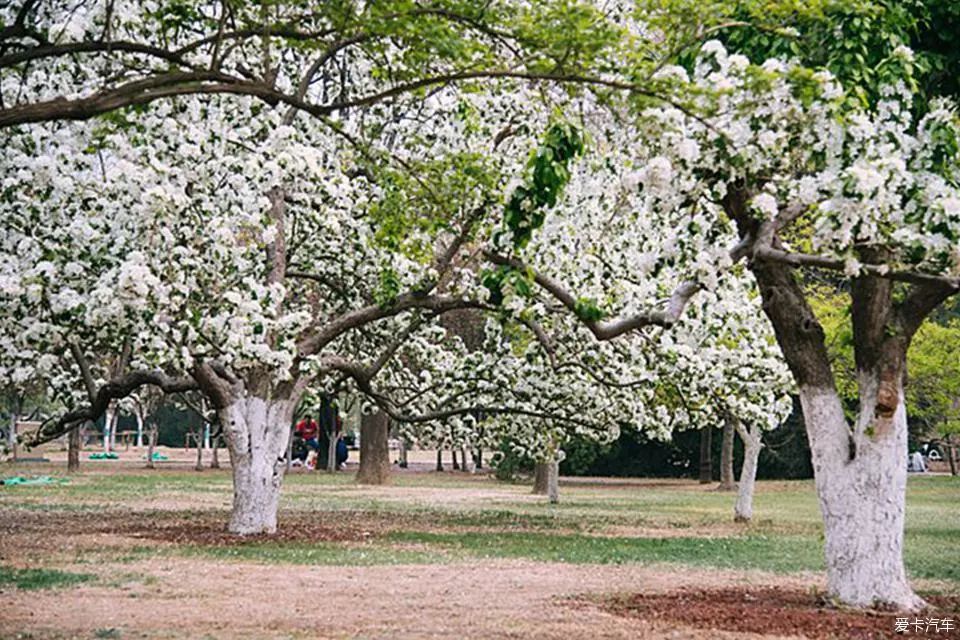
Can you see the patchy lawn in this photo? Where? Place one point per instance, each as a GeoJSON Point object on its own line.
{"type": "Point", "coordinates": [128, 552]}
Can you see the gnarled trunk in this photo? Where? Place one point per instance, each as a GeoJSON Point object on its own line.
{"type": "Point", "coordinates": [374, 452]}
{"type": "Point", "coordinates": [752, 444]}
{"type": "Point", "coordinates": [256, 431]}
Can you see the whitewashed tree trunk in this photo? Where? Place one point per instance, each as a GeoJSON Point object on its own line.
{"type": "Point", "coordinates": [151, 447]}
{"type": "Point", "coordinates": [115, 422]}
{"type": "Point", "coordinates": [199, 465]}
{"type": "Point", "coordinates": [861, 485]}
{"type": "Point", "coordinates": [138, 414]}
{"type": "Point", "coordinates": [752, 444]}
{"type": "Point", "coordinates": [257, 432]}
{"type": "Point", "coordinates": [727, 482]}
{"type": "Point", "coordinates": [107, 425]}
{"type": "Point", "coordinates": [332, 450]}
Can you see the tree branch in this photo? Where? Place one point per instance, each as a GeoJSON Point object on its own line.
{"type": "Point", "coordinates": [607, 329]}
{"type": "Point", "coordinates": [120, 387]}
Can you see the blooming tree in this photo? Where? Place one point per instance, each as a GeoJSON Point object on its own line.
{"type": "Point", "coordinates": [808, 179]}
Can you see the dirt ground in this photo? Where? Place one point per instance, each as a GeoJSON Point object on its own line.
{"type": "Point", "coordinates": [187, 598]}
{"type": "Point", "coordinates": [172, 595]}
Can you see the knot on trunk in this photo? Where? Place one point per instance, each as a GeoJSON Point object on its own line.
{"type": "Point", "coordinates": [888, 395]}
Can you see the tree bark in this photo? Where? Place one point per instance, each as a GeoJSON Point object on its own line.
{"type": "Point", "coordinates": [453, 456]}
{"type": "Point", "coordinates": [863, 507]}
{"type": "Point", "coordinates": [479, 458]}
{"type": "Point", "coordinates": [706, 455]}
{"type": "Point", "coordinates": [540, 478]}
{"type": "Point", "coordinates": [257, 432]}
{"type": "Point", "coordinates": [374, 452]}
{"type": "Point", "coordinates": [727, 482]}
{"type": "Point", "coordinates": [214, 455]}
{"type": "Point", "coordinates": [403, 454]}
{"type": "Point", "coordinates": [332, 450]}
{"type": "Point", "coordinates": [553, 481]}
{"type": "Point", "coordinates": [152, 437]}
{"type": "Point", "coordinates": [464, 465]}
{"type": "Point", "coordinates": [114, 423]}
{"type": "Point", "coordinates": [951, 456]}
{"type": "Point", "coordinates": [439, 460]}
{"type": "Point", "coordinates": [752, 444]}
{"type": "Point", "coordinates": [138, 414]}
{"type": "Point", "coordinates": [200, 434]}
{"type": "Point", "coordinates": [288, 458]}
{"type": "Point", "coordinates": [12, 431]}
{"type": "Point", "coordinates": [107, 426]}
{"type": "Point", "coordinates": [73, 450]}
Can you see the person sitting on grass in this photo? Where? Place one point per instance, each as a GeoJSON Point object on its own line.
{"type": "Point", "coordinates": [307, 430]}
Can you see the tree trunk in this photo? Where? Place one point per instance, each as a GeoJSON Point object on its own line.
{"type": "Point", "coordinates": [374, 452]}
{"type": "Point", "coordinates": [114, 423]}
{"type": "Point", "coordinates": [403, 454]}
{"type": "Point", "coordinates": [464, 465]}
{"type": "Point", "coordinates": [861, 485]}
{"type": "Point", "coordinates": [73, 450]}
{"type": "Point", "coordinates": [257, 432]}
{"type": "Point", "coordinates": [727, 482]}
{"type": "Point", "coordinates": [332, 450]}
{"type": "Point", "coordinates": [12, 431]}
{"type": "Point", "coordinates": [553, 481]}
{"type": "Point", "coordinates": [152, 437]}
{"type": "Point", "coordinates": [540, 480]}
{"type": "Point", "coordinates": [706, 455]}
{"type": "Point", "coordinates": [439, 459]}
{"type": "Point", "coordinates": [453, 456]}
{"type": "Point", "coordinates": [200, 433]}
{"type": "Point", "coordinates": [951, 456]}
{"type": "Point", "coordinates": [288, 458]}
{"type": "Point", "coordinates": [752, 443]}
{"type": "Point", "coordinates": [214, 455]}
{"type": "Point", "coordinates": [138, 414]}
{"type": "Point", "coordinates": [479, 458]}
{"type": "Point", "coordinates": [107, 424]}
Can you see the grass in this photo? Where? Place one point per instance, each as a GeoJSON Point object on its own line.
{"type": "Point", "coordinates": [40, 578]}
{"type": "Point", "coordinates": [437, 518]}
{"type": "Point", "coordinates": [332, 554]}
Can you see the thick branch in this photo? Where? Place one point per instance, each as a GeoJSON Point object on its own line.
{"type": "Point", "coordinates": [608, 329]}
{"type": "Point", "coordinates": [120, 387]}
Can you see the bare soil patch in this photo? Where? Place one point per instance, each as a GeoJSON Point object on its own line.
{"type": "Point", "coordinates": [778, 610]}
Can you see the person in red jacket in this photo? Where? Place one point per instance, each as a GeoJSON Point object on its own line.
{"type": "Point", "coordinates": [307, 430]}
